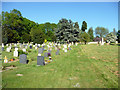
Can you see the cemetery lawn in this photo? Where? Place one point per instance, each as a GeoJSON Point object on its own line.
{"type": "Point", "coordinates": [85, 66]}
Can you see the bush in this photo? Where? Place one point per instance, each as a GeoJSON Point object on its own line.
{"type": "Point", "coordinates": [21, 52]}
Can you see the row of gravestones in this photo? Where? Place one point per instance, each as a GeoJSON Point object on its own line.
{"type": "Point", "coordinates": [40, 59]}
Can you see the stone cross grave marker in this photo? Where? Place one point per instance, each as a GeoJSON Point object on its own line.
{"type": "Point", "coordinates": [23, 58]}
{"type": "Point", "coordinates": [40, 60]}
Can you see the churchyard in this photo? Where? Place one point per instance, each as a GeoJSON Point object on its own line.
{"type": "Point", "coordinates": [52, 65]}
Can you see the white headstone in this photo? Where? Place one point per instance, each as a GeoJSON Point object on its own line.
{"type": "Point", "coordinates": [33, 45]}
{"type": "Point", "coordinates": [8, 49]}
{"type": "Point", "coordinates": [39, 54]}
{"type": "Point", "coordinates": [2, 45]}
{"type": "Point", "coordinates": [7, 45]}
{"type": "Point", "coordinates": [24, 50]}
{"type": "Point", "coordinates": [15, 53]}
{"type": "Point", "coordinates": [36, 48]}
{"type": "Point", "coordinates": [16, 49]}
{"type": "Point", "coordinates": [65, 50]}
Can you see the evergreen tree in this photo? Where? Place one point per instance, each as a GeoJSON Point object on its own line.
{"type": "Point", "coordinates": [66, 31]}
{"type": "Point", "coordinates": [90, 32]}
{"type": "Point", "coordinates": [84, 26]}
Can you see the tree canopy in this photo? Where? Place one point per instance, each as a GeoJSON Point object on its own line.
{"type": "Point", "coordinates": [101, 31]}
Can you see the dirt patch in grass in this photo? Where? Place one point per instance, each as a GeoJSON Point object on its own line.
{"type": "Point", "coordinates": [11, 67]}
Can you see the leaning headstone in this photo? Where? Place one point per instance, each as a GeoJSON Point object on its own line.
{"type": "Point", "coordinates": [40, 60]}
{"type": "Point", "coordinates": [45, 54]}
{"type": "Point", "coordinates": [57, 53]}
{"type": "Point", "coordinates": [23, 58]}
{"type": "Point", "coordinates": [40, 50]}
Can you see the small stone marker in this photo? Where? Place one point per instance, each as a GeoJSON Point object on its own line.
{"type": "Point", "coordinates": [23, 58]}
{"type": "Point", "coordinates": [69, 48]}
{"type": "Point", "coordinates": [57, 53]}
{"type": "Point", "coordinates": [45, 54]}
{"type": "Point", "coordinates": [65, 50]}
{"type": "Point", "coordinates": [2, 48]}
{"type": "Point", "coordinates": [36, 48]}
{"type": "Point", "coordinates": [24, 50]}
{"type": "Point", "coordinates": [49, 51]}
{"type": "Point", "coordinates": [40, 60]}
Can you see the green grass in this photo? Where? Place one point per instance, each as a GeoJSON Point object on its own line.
{"type": "Point", "coordinates": [67, 69]}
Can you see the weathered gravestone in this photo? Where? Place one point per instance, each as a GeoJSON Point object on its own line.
{"type": "Point", "coordinates": [23, 59]}
{"type": "Point", "coordinates": [57, 53]}
{"type": "Point", "coordinates": [45, 54]}
{"type": "Point", "coordinates": [40, 60]}
{"type": "Point", "coordinates": [40, 50]}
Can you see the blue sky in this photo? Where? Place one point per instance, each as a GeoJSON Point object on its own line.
{"type": "Point", "coordinates": [94, 13]}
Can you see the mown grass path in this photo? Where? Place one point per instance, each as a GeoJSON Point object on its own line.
{"type": "Point", "coordinates": [73, 69]}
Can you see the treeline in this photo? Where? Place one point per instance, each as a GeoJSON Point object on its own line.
{"type": "Point", "coordinates": [17, 28]}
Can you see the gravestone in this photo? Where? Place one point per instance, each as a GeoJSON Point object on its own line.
{"type": "Point", "coordinates": [40, 60]}
{"type": "Point", "coordinates": [8, 49]}
{"type": "Point", "coordinates": [24, 50]}
{"type": "Point", "coordinates": [23, 58]}
{"type": "Point", "coordinates": [65, 50]}
{"type": "Point", "coordinates": [2, 48]}
{"type": "Point", "coordinates": [49, 51]}
{"type": "Point", "coordinates": [36, 48]}
{"type": "Point", "coordinates": [45, 54]}
{"type": "Point", "coordinates": [40, 50]}
{"type": "Point", "coordinates": [57, 53]}
{"type": "Point", "coordinates": [15, 53]}
{"type": "Point", "coordinates": [33, 45]}
{"type": "Point", "coordinates": [30, 46]}
{"type": "Point", "coordinates": [69, 48]}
